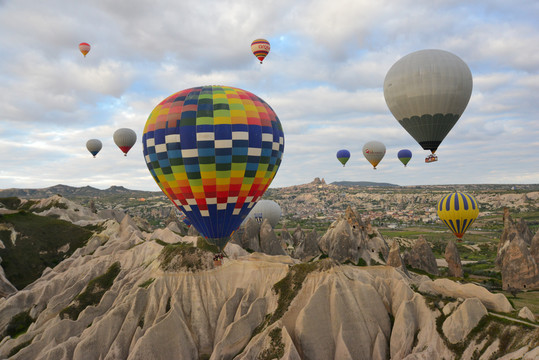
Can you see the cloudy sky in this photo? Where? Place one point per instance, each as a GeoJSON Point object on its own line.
{"type": "Point", "coordinates": [323, 77]}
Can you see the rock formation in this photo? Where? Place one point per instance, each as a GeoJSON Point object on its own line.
{"type": "Point", "coordinates": [126, 296]}
{"type": "Point", "coordinates": [519, 269]}
{"type": "Point", "coordinates": [394, 257]}
{"type": "Point", "coordinates": [421, 257]}
{"type": "Point", "coordinates": [6, 288]}
{"type": "Point", "coordinates": [269, 243]}
{"type": "Point", "coordinates": [286, 237]}
{"type": "Point", "coordinates": [459, 324]}
{"type": "Point", "coordinates": [511, 230]}
{"type": "Point", "coordinates": [454, 266]}
{"type": "Point", "coordinates": [298, 236]}
{"type": "Point", "coordinates": [308, 248]}
{"type": "Point", "coordinates": [349, 239]}
{"type": "Point", "coordinates": [526, 313]}
{"type": "Point", "coordinates": [518, 255]}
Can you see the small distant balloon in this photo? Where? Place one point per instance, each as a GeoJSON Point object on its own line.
{"type": "Point", "coordinates": [374, 152]}
{"type": "Point", "coordinates": [94, 146]}
{"type": "Point", "coordinates": [125, 138]}
{"type": "Point", "coordinates": [343, 156]}
{"type": "Point", "coordinates": [458, 211]}
{"type": "Point", "coordinates": [260, 48]}
{"type": "Point", "coordinates": [84, 48]}
{"type": "Point", "coordinates": [404, 156]}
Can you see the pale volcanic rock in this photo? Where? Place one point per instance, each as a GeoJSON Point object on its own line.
{"type": "Point", "coordinates": [269, 243]}
{"type": "Point", "coordinates": [421, 257]}
{"type": "Point", "coordinates": [113, 214]}
{"type": "Point", "coordinates": [512, 230]}
{"type": "Point", "coordinates": [347, 239]}
{"type": "Point", "coordinates": [6, 287]}
{"type": "Point", "coordinates": [394, 258]}
{"type": "Point", "coordinates": [298, 236]}
{"type": "Point", "coordinates": [286, 237]}
{"type": "Point", "coordinates": [340, 312]}
{"type": "Point", "coordinates": [526, 313]}
{"type": "Point", "coordinates": [519, 269]}
{"type": "Point", "coordinates": [449, 288]}
{"type": "Point", "coordinates": [454, 266]}
{"type": "Point", "coordinates": [248, 235]}
{"type": "Point", "coordinates": [534, 247]}
{"type": "Point", "coordinates": [459, 324]}
{"type": "Point", "coordinates": [64, 209]}
{"type": "Point", "coordinates": [308, 248]}
{"type": "Point", "coordinates": [166, 235]}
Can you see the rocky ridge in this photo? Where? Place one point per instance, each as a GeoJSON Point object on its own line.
{"type": "Point", "coordinates": [254, 305]}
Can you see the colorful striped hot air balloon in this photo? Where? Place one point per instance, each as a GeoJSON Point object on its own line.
{"type": "Point", "coordinates": [84, 48]}
{"type": "Point", "coordinates": [260, 48]}
{"type": "Point", "coordinates": [458, 211]}
{"type": "Point", "coordinates": [213, 151]}
{"type": "Point", "coordinates": [343, 156]}
{"type": "Point", "coordinates": [404, 156]}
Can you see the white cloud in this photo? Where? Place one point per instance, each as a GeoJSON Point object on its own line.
{"type": "Point", "coordinates": [323, 77]}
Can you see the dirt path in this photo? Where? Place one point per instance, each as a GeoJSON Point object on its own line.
{"type": "Point", "coordinates": [515, 320]}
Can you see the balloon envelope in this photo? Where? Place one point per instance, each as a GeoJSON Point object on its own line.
{"type": "Point", "coordinates": [94, 146]}
{"type": "Point", "coordinates": [374, 152]}
{"type": "Point", "coordinates": [404, 156]}
{"type": "Point", "coordinates": [84, 48]}
{"type": "Point", "coordinates": [343, 156]}
{"type": "Point", "coordinates": [458, 211]}
{"type": "Point", "coordinates": [427, 92]}
{"type": "Point", "coordinates": [125, 138]}
{"type": "Point", "coordinates": [213, 150]}
{"type": "Point", "coordinates": [260, 48]}
{"type": "Point", "coordinates": [266, 209]}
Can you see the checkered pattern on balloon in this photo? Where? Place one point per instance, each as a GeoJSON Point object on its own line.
{"type": "Point", "coordinates": [213, 151]}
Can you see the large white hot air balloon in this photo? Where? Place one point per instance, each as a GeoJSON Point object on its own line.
{"type": "Point", "coordinates": [427, 92]}
{"type": "Point", "coordinates": [266, 209]}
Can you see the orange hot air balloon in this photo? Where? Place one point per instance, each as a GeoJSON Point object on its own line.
{"type": "Point", "coordinates": [260, 48]}
{"type": "Point", "coordinates": [84, 48]}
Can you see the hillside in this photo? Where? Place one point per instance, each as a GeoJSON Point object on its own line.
{"type": "Point", "coordinates": [129, 294]}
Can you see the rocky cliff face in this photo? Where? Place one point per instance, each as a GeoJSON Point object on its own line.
{"type": "Point", "coordinates": [518, 255]}
{"type": "Point", "coordinates": [421, 257]}
{"type": "Point", "coordinates": [126, 295]}
{"type": "Point", "coordinates": [349, 239]}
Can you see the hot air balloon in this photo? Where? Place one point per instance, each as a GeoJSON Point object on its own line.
{"type": "Point", "coordinates": [213, 151]}
{"type": "Point", "coordinates": [404, 156]}
{"type": "Point", "coordinates": [260, 48]}
{"type": "Point", "coordinates": [84, 48]}
{"type": "Point", "coordinates": [94, 146]}
{"type": "Point", "coordinates": [374, 152]}
{"type": "Point", "coordinates": [125, 139]}
{"type": "Point", "coordinates": [266, 209]}
{"type": "Point", "coordinates": [343, 156]}
{"type": "Point", "coordinates": [458, 211]}
{"type": "Point", "coordinates": [427, 92]}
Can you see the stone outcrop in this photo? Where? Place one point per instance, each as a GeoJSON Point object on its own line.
{"type": "Point", "coordinates": [421, 257]}
{"type": "Point", "coordinates": [519, 269]}
{"type": "Point", "coordinates": [155, 310]}
{"type": "Point", "coordinates": [511, 230]}
{"type": "Point", "coordinates": [459, 324]}
{"type": "Point", "coordinates": [286, 237]}
{"type": "Point", "coordinates": [452, 289]}
{"type": "Point", "coordinates": [298, 236]}
{"type": "Point", "coordinates": [526, 313]}
{"type": "Point", "coordinates": [308, 248]}
{"type": "Point", "coordinates": [454, 265]}
{"type": "Point", "coordinates": [394, 257]}
{"type": "Point", "coordinates": [6, 287]}
{"type": "Point", "coordinates": [269, 243]}
{"type": "Point", "coordinates": [349, 239]}
{"type": "Point", "coordinates": [518, 255]}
